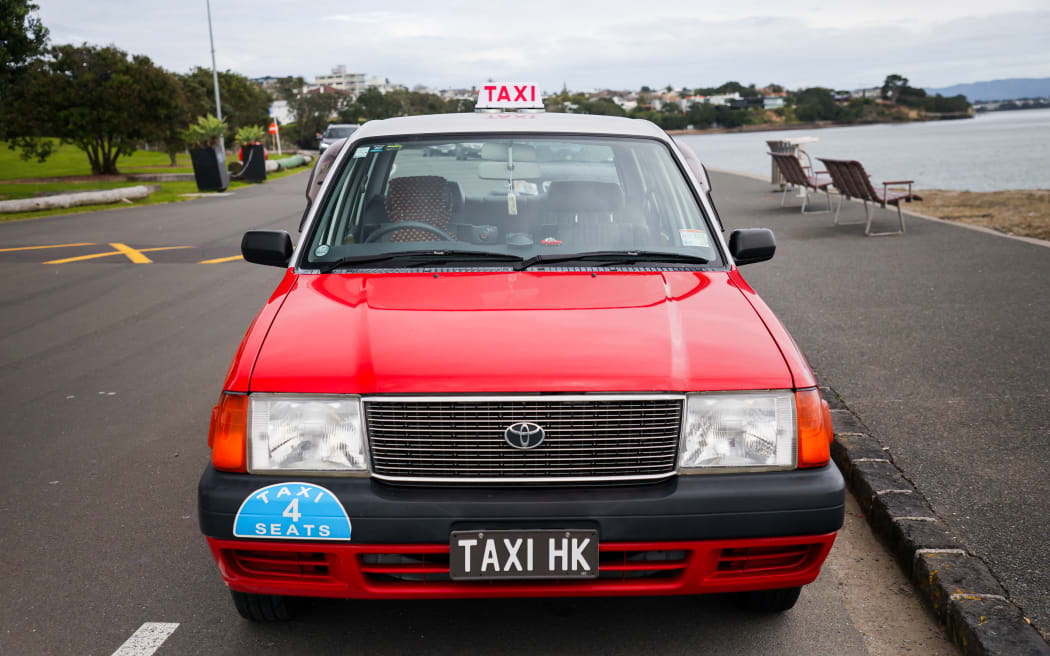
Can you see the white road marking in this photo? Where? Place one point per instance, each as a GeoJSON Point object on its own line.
{"type": "Point", "coordinates": [147, 639]}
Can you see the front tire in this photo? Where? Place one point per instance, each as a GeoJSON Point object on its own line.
{"type": "Point", "coordinates": [770, 601]}
{"type": "Point", "coordinates": [264, 609]}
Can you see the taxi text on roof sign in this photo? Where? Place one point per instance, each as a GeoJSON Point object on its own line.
{"type": "Point", "coordinates": [496, 95]}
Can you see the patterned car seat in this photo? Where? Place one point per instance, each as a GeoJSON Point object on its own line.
{"type": "Point", "coordinates": [592, 215]}
{"type": "Point", "coordinates": [420, 198]}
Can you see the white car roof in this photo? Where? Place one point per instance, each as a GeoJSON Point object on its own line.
{"type": "Point", "coordinates": [519, 122]}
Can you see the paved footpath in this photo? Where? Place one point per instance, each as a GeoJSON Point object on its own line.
{"type": "Point", "coordinates": [939, 339]}
{"type": "Point", "coordinates": [110, 360]}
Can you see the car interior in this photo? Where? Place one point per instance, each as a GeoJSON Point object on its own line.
{"type": "Point", "coordinates": [571, 194]}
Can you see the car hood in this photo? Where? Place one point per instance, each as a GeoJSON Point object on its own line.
{"type": "Point", "coordinates": [517, 332]}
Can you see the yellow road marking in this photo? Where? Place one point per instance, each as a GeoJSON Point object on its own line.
{"type": "Point", "coordinates": [135, 256]}
{"type": "Point", "coordinates": [33, 248]}
{"type": "Point", "coordinates": [220, 260]}
{"type": "Point", "coordinates": [131, 253]}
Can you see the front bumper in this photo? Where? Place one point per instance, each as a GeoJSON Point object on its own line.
{"type": "Point", "coordinates": [686, 535]}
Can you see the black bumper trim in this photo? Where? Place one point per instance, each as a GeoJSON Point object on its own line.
{"type": "Point", "coordinates": [774, 504]}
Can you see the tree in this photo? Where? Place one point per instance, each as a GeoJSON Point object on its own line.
{"type": "Point", "coordinates": [313, 112]}
{"type": "Point", "coordinates": [701, 115]}
{"type": "Point", "coordinates": [243, 102]}
{"type": "Point", "coordinates": [173, 118]}
{"type": "Point", "coordinates": [603, 106]}
{"type": "Point", "coordinates": [816, 104]}
{"type": "Point", "coordinates": [23, 39]}
{"type": "Point", "coordinates": [891, 88]}
{"type": "Point", "coordinates": [288, 88]}
{"type": "Point", "coordinates": [373, 104]}
{"type": "Point", "coordinates": [97, 99]}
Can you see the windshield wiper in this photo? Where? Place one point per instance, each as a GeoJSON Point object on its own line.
{"type": "Point", "coordinates": [611, 258]}
{"type": "Point", "coordinates": [416, 258]}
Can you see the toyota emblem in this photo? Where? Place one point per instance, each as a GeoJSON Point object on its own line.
{"type": "Point", "coordinates": [524, 435]}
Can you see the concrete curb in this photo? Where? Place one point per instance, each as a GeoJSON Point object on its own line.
{"type": "Point", "coordinates": [957, 586]}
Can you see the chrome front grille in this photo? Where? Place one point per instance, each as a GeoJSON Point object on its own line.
{"type": "Point", "coordinates": [461, 439]}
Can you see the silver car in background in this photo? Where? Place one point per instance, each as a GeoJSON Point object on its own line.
{"type": "Point", "coordinates": [334, 133]}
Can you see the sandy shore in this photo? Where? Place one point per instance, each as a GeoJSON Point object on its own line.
{"type": "Point", "coordinates": [1021, 212]}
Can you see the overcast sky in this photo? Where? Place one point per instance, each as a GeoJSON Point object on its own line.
{"type": "Point", "coordinates": [843, 44]}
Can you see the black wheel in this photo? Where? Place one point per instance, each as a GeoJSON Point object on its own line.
{"type": "Point", "coordinates": [770, 601]}
{"type": "Point", "coordinates": [262, 608]}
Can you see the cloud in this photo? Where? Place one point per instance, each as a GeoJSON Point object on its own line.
{"type": "Point", "coordinates": [587, 45]}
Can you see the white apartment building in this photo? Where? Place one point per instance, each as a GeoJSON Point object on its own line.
{"type": "Point", "coordinates": [722, 98]}
{"type": "Point", "coordinates": [352, 83]}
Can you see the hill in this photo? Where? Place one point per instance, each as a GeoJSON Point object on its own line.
{"type": "Point", "coordinates": [1009, 89]}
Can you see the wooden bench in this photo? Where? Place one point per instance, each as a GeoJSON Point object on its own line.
{"type": "Point", "coordinates": [793, 173]}
{"type": "Point", "coordinates": [852, 181]}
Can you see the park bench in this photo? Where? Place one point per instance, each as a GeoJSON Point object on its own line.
{"type": "Point", "coordinates": [852, 181]}
{"type": "Point", "coordinates": [793, 173]}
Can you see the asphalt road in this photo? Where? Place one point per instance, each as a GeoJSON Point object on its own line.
{"type": "Point", "coordinates": [109, 369]}
{"type": "Point", "coordinates": [940, 340]}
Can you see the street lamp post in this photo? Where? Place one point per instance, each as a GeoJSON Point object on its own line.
{"type": "Point", "coordinates": [215, 76]}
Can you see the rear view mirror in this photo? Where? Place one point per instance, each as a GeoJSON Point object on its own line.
{"type": "Point", "coordinates": [752, 245]}
{"type": "Point", "coordinates": [269, 247]}
{"type": "Point", "coordinates": [500, 171]}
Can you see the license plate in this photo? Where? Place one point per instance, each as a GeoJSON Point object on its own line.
{"type": "Point", "coordinates": [523, 554]}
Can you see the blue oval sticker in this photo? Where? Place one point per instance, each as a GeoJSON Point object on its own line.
{"type": "Point", "coordinates": [292, 511]}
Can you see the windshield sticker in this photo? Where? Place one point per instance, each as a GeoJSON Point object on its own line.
{"type": "Point", "coordinates": [321, 250]}
{"type": "Point", "coordinates": [377, 149]}
{"type": "Point", "coordinates": [692, 237]}
{"type": "Point", "coordinates": [290, 511]}
{"type": "Point", "coordinates": [360, 152]}
{"type": "Point", "coordinates": [393, 146]}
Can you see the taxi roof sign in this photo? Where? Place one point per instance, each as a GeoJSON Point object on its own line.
{"type": "Point", "coordinates": [496, 95]}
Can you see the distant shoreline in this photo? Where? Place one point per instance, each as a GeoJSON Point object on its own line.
{"type": "Point", "coordinates": [815, 125]}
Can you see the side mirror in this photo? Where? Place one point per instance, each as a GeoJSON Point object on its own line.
{"type": "Point", "coordinates": [269, 247]}
{"type": "Point", "coordinates": [752, 245]}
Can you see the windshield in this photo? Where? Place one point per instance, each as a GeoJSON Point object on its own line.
{"type": "Point", "coordinates": [338, 133]}
{"type": "Point", "coordinates": [506, 198]}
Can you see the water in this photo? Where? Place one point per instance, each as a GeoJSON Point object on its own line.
{"type": "Point", "coordinates": [997, 150]}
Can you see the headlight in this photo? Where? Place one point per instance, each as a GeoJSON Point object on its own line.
{"type": "Point", "coordinates": [740, 430]}
{"type": "Point", "coordinates": [306, 433]}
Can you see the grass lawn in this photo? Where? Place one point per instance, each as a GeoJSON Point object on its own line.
{"type": "Point", "coordinates": [69, 160]}
{"type": "Point", "coordinates": [169, 192]}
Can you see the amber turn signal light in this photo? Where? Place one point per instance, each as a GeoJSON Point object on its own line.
{"type": "Point", "coordinates": [228, 432]}
{"type": "Point", "coordinates": [814, 429]}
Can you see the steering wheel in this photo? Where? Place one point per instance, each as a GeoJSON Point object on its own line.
{"type": "Point", "coordinates": [403, 225]}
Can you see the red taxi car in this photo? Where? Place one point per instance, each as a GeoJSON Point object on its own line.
{"type": "Point", "coordinates": [536, 373]}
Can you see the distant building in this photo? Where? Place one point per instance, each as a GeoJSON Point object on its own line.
{"type": "Point", "coordinates": [382, 84]}
{"type": "Point", "coordinates": [268, 83]}
{"type": "Point", "coordinates": [723, 98]}
{"type": "Point", "coordinates": [873, 92]}
{"type": "Point", "coordinates": [351, 83]}
{"type": "Point", "coordinates": [772, 102]}
{"type": "Point", "coordinates": [623, 103]}
{"type": "Point", "coordinates": [324, 88]}
{"type": "Point", "coordinates": [279, 109]}
{"type": "Point", "coordinates": [746, 102]}
{"type": "Point", "coordinates": [458, 94]}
